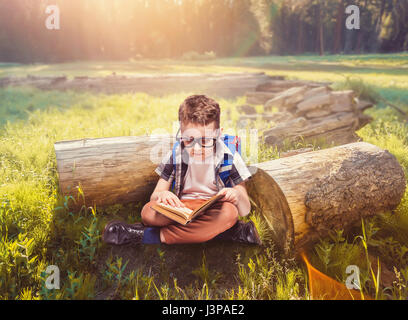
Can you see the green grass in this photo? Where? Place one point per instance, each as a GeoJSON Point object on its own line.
{"type": "Point", "coordinates": [32, 210]}
{"type": "Point", "coordinates": [18, 103]}
{"type": "Point", "coordinates": [37, 229]}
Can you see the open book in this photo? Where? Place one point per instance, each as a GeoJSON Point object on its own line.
{"type": "Point", "coordinates": [184, 215]}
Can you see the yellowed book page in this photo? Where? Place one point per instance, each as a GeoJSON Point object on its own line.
{"type": "Point", "coordinates": [170, 214]}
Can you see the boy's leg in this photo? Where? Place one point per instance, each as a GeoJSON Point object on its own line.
{"type": "Point", "coordinates": [152, 218]}
{"type": "Point", "coordinates": [220, 217]}
{"type": "Point", "coordinates": [215, 220]}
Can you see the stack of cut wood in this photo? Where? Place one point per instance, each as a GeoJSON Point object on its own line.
{"type": "Point", "coordinates": [271, 89]}
{"type": "Point", "coordinates": [307, 111]}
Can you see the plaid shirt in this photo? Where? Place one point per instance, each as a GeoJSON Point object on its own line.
{"type": "Point", "coordinates": [238, 170]}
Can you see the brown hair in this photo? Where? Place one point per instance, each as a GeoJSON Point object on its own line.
{"type": "Point", "coordinates": [200, 109]}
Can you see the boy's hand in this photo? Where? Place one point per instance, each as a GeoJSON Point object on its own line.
{"type": "Point", "coordinates": [230, 194]}
{"type": "Point", "coordinates": [169, 198]}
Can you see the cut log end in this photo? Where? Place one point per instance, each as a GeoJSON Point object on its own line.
{"type": "Point", "coordinates": [303, 197]}
{"type": "Point", "coordinates": [271, 202]}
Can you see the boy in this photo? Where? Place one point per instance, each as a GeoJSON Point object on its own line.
{"type": "Point", "coordinates": [198, 159]}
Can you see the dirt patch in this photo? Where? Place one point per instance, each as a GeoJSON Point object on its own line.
{"type": "Point", "coordinates": [166, 262]}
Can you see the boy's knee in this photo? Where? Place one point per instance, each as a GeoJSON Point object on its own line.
{"type": "Point", "coordinates": [152, 218]}
{"type": "Point", "coordinates": [229, 212]}
{"type": "Point", "coordinates": [148, 214]}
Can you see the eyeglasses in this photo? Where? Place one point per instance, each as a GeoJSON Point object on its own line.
{"type": "Point", "coordinates": [189, 142]}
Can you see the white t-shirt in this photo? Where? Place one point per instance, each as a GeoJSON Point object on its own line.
{"type": "Point", "coordinates": [199, 181]}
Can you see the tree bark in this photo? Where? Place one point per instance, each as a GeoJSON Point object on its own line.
{"type": "Point", "coordinates": [321, 37]}
{"type": "Point", "coordinates": [319, 29]}
{"type": "Point", "coordinates": [300, 41]}
{"type": "Point", "coordinates": [279, 85]}
{"type": "Point", "coordinates": [110, 170]}
{"type": "Point", "coordinates": [309, 129]}
{"type": "Point", "coordinates": [259, 97]}
{"type": "Point", "coordinates": [318, 113]}
{"type": "Point", "coordinates": [378, 26]}
{"type": "Point", "coordinates": [304, 196]}
{"type": "Point", "coordinates": [339, 27]}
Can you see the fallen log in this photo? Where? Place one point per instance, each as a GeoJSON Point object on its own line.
{"type": "Point", "coordinates": [304, 196]}
{"type": "Point", "coordinates": [259, 97]}
{"type": "Point", "coordinates": [301, 100]}
{"type": "Point", "coordinates": [110, 170]}
{"type": "Point", "coordinates": [293, 152]}
{"type": "Point", "coordinates": [222, 84]}
{"type": "Point", "coordinates": [301, 196]}
{"type": "Point", "coordinates": [275, 117]}
{"type": "Point", "coordinates": [301, 127]}
{"type": "Point", "coordinates": [281, 85]}
{"type": "Point", "coordinates": [343, 101]}
{"type": "Point", "coordinates": [287, 100]}
{"type": "Point", "coordinates": [317, 114]}
{"type": "Point", "coordinates": [313, 102]}
{"type": "Point", "coordinates": [363, 105]}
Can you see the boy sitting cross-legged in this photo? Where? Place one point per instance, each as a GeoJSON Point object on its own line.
{"type": "Point", "coordinates": [197, 170]}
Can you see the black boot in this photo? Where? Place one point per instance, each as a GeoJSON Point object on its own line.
{"type": "Point", "coordinates": [241, 232]}
{"type": "Point", "coordinates": [118, 232]}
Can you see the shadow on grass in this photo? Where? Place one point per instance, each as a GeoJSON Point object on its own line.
{"type": "Point", "coordinates": [75, 245]}
{"type": "Point", "coordinates": [181, 262]}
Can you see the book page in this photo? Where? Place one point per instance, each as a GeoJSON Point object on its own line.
{"type": "Point", "coordinates": [207, 204]}
{"type": "Point", "coordinates": [186, 212]}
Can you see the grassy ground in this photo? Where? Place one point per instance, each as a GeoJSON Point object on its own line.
{"type": "Point", "coordinates": [386, 73]}
{"type": "Point", "coordinates": [38, 230]}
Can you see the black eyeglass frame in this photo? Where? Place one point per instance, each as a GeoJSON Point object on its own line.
{"type": "Point", "coordinates": [196, 140]}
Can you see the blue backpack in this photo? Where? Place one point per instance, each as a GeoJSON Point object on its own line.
{"type": "Point", "coordinates": [233, 143]}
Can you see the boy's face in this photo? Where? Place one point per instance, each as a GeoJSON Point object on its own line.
{"type": "Point", "coordinates": [192, 130]}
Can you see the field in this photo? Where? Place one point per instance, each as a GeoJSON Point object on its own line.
{"type": "Point", "coordinates": [37, 228]}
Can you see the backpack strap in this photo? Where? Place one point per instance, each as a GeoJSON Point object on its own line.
{"type": "Point", "coordinates": [173, 184]}
{"type": "Point", "coordinates": [234, 145]}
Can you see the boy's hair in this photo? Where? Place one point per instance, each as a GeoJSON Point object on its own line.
{"type": "Point", "coordinates": [200, 109]}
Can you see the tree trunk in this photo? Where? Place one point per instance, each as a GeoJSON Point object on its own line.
{"type": "Point", "coordinates": [300, 40]}
{"type": "Point", "coordinates": [339, 27]}
{"type": "Point", "coordinates": [374, 37]}
{"type": "Point", "coordinates": [319, 33]}
{"type": "Point", "coordinates": [349, 41]}
{"type": "Point", "coordinates": [110, 170]}
{"type": "Point", "coordinates": [304, 196]}
{"type": "Point", "coordinates": [359, 41]}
